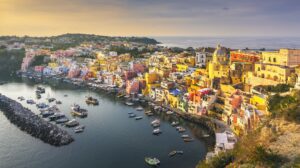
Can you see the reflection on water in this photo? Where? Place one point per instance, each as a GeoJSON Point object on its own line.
{"type": "Point", "coordinates": [111, 138]}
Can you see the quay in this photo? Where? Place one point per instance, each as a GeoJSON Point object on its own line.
{"type": "Point", "coordinates": [31, 123]}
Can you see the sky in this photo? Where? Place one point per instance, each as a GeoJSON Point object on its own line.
{"type": "Point", "coordinates": [151, 17]}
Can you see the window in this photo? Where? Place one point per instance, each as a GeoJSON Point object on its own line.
{"type": "Point", "coordinates": [274, 59]}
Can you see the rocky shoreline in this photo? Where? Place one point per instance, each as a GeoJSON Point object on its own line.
{"type": "Point", "coordinates": [29, 122]}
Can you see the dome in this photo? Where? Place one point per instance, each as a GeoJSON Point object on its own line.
{"type": "Point", "coordinates": [220, 51]}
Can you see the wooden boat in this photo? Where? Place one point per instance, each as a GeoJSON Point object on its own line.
{"type": "Point", "coordinates": [189, 139]}
{"type": "Point", "coordinates": [91, 100]}
{"type": "Point", "coordinates": [172, 153]}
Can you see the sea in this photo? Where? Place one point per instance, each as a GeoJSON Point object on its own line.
{"type": "Point", "coordinates": [111, 139]}
{"type": "Point", "coordinates": [268, 43]}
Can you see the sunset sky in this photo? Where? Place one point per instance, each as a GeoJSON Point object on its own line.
{"type": "Point", "coordinates": [151, 17]}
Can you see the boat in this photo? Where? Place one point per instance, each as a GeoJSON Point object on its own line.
{"type": "Point", "coordinates": [38, 96]}
{"type": "Point", "coordinates": [40, 89]}
{"type": "Point", "coordinates": [132, 115]}
{"type": "Point", "coordinates": [189, 139]}
{"type": "Point", "coordinates": [58, 102]}
{"type": "Point", "coordinates": [51, 100]}
{"type": "Point", "coordinates": [152, 161]}
{"type": "Point", "coordinates": [156, 121]}
{"type": "Point", "coordinates": [79, 129]}
{"type": "Point", "coordinates": [41, 105]}
{"type": "Point", "coordinates": [205, 135]}
{"type": "Point", "coordinates": [156, 131]}
{"type": "Point", "coordinates": [30, 101]}
{"type": "Point", "coordinates": [56, 116]}
{"type": "Point", "coordinates": [169, 112]}
{"type": "Point", "coordinates": [172, 153]}
{"type": "Point", "coordinates": [138, 118]}
{"type": "Point", "coordinates": [21, 98]}
{"type": "Point", "coordinates": [47, 113]}
{"type": "Point", "coordinates": [62, 120]}
{"type": "Point", "coordinates": [127, 96]}
{"type": "Point", "coordinates": [139, 108]}
{"type": "Point", "coordinates": [185, 136]}
{"type": "Point", "coordinates": [77, 111]}
{"type": "Point", "coordinates": [181, 129]}
{"type": "Point", "coordinates": [91, 100]}
{"type": "Point", "coordinates": [150, 114]}
{"type": "Point", "coordinates": [72, 123]}
{"type": "Point", "coordinates": [175, 123]}
{"type": "Point", "coordinates": [129, 103]}
{"type": "Point", "coordinates": [179, 152]}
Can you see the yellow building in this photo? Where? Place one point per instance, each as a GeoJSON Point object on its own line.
{"type": "Point", "coordinates": [284, 57]}
{"type": "Point", "coordinates": [219, 67]}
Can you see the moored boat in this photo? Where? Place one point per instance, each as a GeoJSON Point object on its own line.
{"type": "Point", "coordinates": [138, 118]}
{"type": "Point", "coordinates": [152, 161]}
{"type": "Point", "coordinates": [169, 112]}
{"type": "Point", "coordinates": [189, 139]}
{"type": "Point", "coordinates": [172, 153]}
{"type": "Point", "coordinates": [72, 123]}
{"type": "Point", "coordinates": [91, 100]}
{"type": "Point", "coordinates": [132, 115]}
{"type": "Point", "coordinates": [139, 108]}
{"type": "Point", "coordinates": [156, 131]}
{"type": "Point", "coordinates": [175, 123]}
{"type": "Point", "coordinates": [62, 120]}
{"type": "Point", "coordinates": [129, 103]}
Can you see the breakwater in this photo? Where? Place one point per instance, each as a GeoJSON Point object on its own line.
{"type": "Point", "coordinates": [29, 122]}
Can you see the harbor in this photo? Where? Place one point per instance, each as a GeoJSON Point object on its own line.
{"type": "Point", "coordinates": [108, 129]}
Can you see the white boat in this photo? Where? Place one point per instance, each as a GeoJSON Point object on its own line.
{"type": "Point", "coordinates": [139, 108]}
{"type": "Point", "coordinates": [138, 118]}
{"type": "Point", "coordinates": [152, 161]}
{"type": "Point", "coordinates": [79, 129]}
{"type": "Point", "coordinates": [156, 121]}
{"type": "Point", "coordinates": [156, 131]}
{"type": "Point", "coordinates": [185, 136]}
{"type": "Point", "coordinates": [169, 112]}
{"type": "Point", "coordinates": [175, 123]}
{"type": "Point", "coordinates": [129, 103]}
{"type": "Point", "coordinates": [72, 123]}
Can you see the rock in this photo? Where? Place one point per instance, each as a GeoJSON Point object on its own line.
{"type": "Point", "coordinates": [28, 122]}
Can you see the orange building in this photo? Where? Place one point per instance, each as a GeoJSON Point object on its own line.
{"type": "Point", "coordinates": [242, 56]}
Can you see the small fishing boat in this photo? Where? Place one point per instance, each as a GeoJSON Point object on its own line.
{"type": "Point", "coordinates": [189, 139]}
{"type": "Point", "coordinates": [62, 120]}
{"type": "Point", "coordinates": [172, 153]}
{"type": "Point", "coordinates": [21, 98]}
{"type": "Point", "coordinates": [56, 116]}
{"type": "Point", "coordinates": [175, 123]}
{"type": "Point", "coordinates": [129, 103]}
{"type": "Point", "coordinates": [139, 108]}
{"type": "Point", "coordinates": [91, 100]}
{"type": "Point", "coordinates": [30, 101]}
{"type": "Point", "coordinates": [138, 118]}
{"type": "Point", "coordinates": [38, 96]}
{"type": "Point", "coordinates": [58, 102]}
{"type": "Point", "coordinates": [132, 115]}
{"type": "Point", "coordinates": [156, 121]}
{"type": "Point", "coordinates": [72, 123]}
{"type": "Point", "coordinates": [181, 129]}
{"type": "Point", "coordinates": [179, 152]}
{"type": "Point", "coordinates": [185, 136]}
{"type": "Point", "coordinates": [77, 111]}
{"type": "Point", "coordinates": [47, 113]}
{"type": "Point", "coordinates": [152, 161]}
{"type": "Point", "coordinates": [156, 131]}
{"type": "Point", "coordinates": [205, 135]}
{"type": "Point", "coordinates": [42, 105]}
{"type": "Point", "coordinates": [51, 100]}
{"type": "Point", "coordinates": [169, 112]}
{"type": "Point", "coordinates": [79, 129]}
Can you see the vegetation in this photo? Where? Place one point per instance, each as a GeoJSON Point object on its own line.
{"type": "Point", "coordinates": [250, 151]}
{"type": "Point", "coordinates": [285, 106]}
{"type": "Point", "coordinates": [276, 89]}
{"type": "Point", "coordinates": [40, 60]}
{"type": "Point", "coordinates": [12, 62]}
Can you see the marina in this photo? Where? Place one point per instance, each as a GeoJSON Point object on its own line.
{"type": "Point", "coordinates": [110, 128]}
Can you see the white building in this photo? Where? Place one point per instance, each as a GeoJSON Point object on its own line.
{"type": "Point", "coordinates": [200, 59]}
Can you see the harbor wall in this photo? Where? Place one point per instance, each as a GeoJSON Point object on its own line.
{"type": "Point", "coordinates": [29, 122]}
